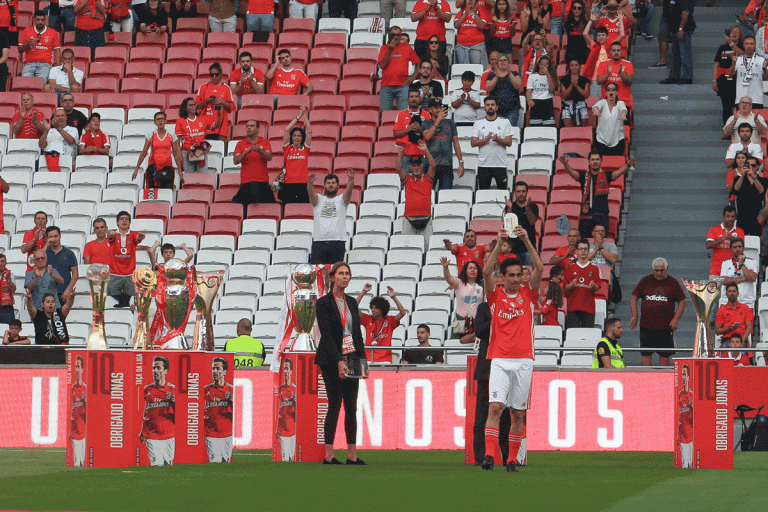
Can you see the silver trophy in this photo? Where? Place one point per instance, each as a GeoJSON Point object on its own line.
{"type": "Point", "coordinates": [178, 299]}
{"type": "Point", "coordinates": [703, 295]}
{"type": "Point", "coordinates": [303, 304]}
{"type": "Point", "coordinates": [98, 279]}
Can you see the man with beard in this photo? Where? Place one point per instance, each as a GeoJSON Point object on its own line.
{"type": "Point", "coordinates": [330, 213]}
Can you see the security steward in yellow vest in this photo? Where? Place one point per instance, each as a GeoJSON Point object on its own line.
{"type": "Point", "coordinates": [251, 350]}
{"type": "Point", "coordinates": [608, 353]}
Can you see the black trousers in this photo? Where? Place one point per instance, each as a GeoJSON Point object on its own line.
{"type": "Point", "coordinates": [339, 389]}
{"type": "Point", "coordinates": [726, 89]}
{"type": "Point", "coordinates": [486, 174]}
{"type": "Point", "coordinates": [579, 319]}
{"type": "Point", "coordinates": [481, 416]}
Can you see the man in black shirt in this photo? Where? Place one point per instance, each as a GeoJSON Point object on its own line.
{"type": "Point", "coordinates": [428, 88]}
{"type": "Point", "coordinates": [679, 17]}
{"type": "Point", "coordinates": [75, 118]}
{"type": "Point", "coordinates": [434, 356]}
{"type": "Point", "coordinates": [527, 215]}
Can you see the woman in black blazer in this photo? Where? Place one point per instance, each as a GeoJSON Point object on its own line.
{"type": "Point", "coordinates": [337, 317]}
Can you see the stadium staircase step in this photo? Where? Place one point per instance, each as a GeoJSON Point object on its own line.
{"type": "Point", "coordinates": [678, 186]}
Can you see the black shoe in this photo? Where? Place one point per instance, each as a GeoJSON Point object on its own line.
{"type": "Point", "coordinates": [333, 462]}
{"type": "Point", "coordinates": [658, 66]}
{"type": "Point", "coordinates": [675, 81]}
{"type": "Point", "coordinates": [488, 463]}
{"type": "Point", "coordinates": [478, 463]}
{"type": "Point", "coordinates": [645, 35]}
{"type": "Point", "coordinates": [686, 81]}
{"type": "Point", "coordinates": [358, 462]}
{"type": "Point", "coordinates": [512, 467]}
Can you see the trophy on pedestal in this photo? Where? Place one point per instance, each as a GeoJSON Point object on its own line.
{"type": "Point", "coordinates": [703, 294]}
{"type": "Point", "coordinates": [98, 278]}
{"type": "Point", "coordinates": [207, 286]}
{"type": "Point", "coordinates": [145, 281]}
{"type": "Point", "coordinates": [177, 299]}
{"type": "Point", "coordinates": [303, 304]}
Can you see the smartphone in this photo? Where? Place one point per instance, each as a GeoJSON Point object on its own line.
{"type": "Point", "coordinates": [217, 107]}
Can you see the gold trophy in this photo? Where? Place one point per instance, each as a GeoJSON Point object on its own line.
{"type": "Point", "coordinates": [303, 304]}
{"type": "Point", "coordinates": [207, 286]}
{"type": "Point", "coordinates": [145, 281]}
{"type": "Point", "coordinates": [179, 299]}
{"type": "Point", "coordinates": [98, 278]}
{"type": "Point", "coordinates": [703, 295]}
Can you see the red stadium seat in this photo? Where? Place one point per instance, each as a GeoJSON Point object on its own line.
{"type": "Point", "coordinates": [384, 148]}
{"type": "Point", "coordinates": [269, 44]}
{"type": "Point", "coordinates": [200, 180]}
{"type": "Point", "coordinates": [113, 100]}
{"type": "Point", "coordinates": [121, 40]}
{"type": "Point", "coordinates": [219, 54]}
{"type": "Point", "coordinates": [576, 134]}
{"type": "Point", "coordinates": [109, 69]}
{"type": "Point", "coordinates": [582, 148]}
{"type": "Point", "coordinates": [355, 87]}
{"type": "Point", "coordinates": [229, 40]}
{"type": "Point", "coordinates": [328, 102]}
{"type": "Point", "coordinates": [7, 112]}
{"type": "Point", "coordinates": [383, 164]}
{"type": "Point", "coordinates": [263, 117]}
{"type": "Point", "coordinates": [298, 211]}
{"type": "Point", "coordinates": [553, 242]}
{"type": "Point", "coordinates": [153, 40]}
{"type": "Point", "coordinates": [324, 148]}
{"type": "Point", "coordinates": [187, 55]}
{"type": "Point", "coordinates": [198, 25]}
{"type": "Point", "coordinates": [143, 69]}
{"type": "Point", "coordinates": [12, 99]}
{"type": "Point", "coordinates": [281, 119]}
{"type": "Point", "coordinates": [385, 134]}
{"type": "Point", "coordinates": [355, 148]}
{"type": "Point", "coordinates": [324, 131]}
{"type": "Point", "coordinates": [228, 181]}
{"type": "Point", "coordinates": [203, 70]}
{"type": "Point", "coordinates": [389, 117]}
{"type": "Point", "coordinates": [224, 226]}
{"type": "Point", "coordinates": [194, 195]}
{"type": "Point", "coordinates": [25, 8]}
{"type": "Point", "coordinates": [174, 85]}
{"type": "Point", "coordinates": [48, 100]}
{"type": "Point", "coordinates": [275, 137]}
{"type": "Point", "coordinates": [82, 99]}
{"type": "Point", "coordinates": [357, 134]}
{"type": "Point", "coordinates": [324, 87]}
{"type": "Point", "coordinates": [194, 211]}
{"type": "Point", "coordinates": [185, 226]}
{"type": "Point", "coordinates": [358, 163]}
{"type": "Point", "coordinates": [111, 53]}
{"type": "Point", "coordinates": [199, 82]}
{"type": "Point", "coordinates": [152, 210]}
{"type": "Point", "coordinates": [137, 85]}
{"type": "Point", "coordinates": [331, 40]}
{"type": "Point", "coordinates": [358, 69]}
{"type": "Point", "coordinates": [364, 118]}
{"type": "Point", "coordinates": [566, 196]}
{"type": "Point", "coordinates": [326, 116]}
{"type": "Point", "coordinates": [187, 38]}
{"type": "Point", "coordinates": [146, 54]}
{"type": "Point", "coordinates": [176, 99]}
{"type": "Point", "coordinates": [224, 196]}
{"type": "Point", "coordinates": [292, 40]}
{"type": "Point", "coordinates": [261, 56]}
{"type": "Point", "coordinates": [30, 84]}
{"type": "Point", "coordinates": [292, 102]}
{"type": "Point", "coordinates": [535, 181]}
{"type": "Point", "coordinates": [323, 71]}
{"type": "Point", "coordinates": [306, 25]}
{"type": "Point", "coordinates": [265, 211]}
{"type": "Point", "coordinates": [319, 164]}
{"type": "Point", "coordinates": [299, 55]}
{"type": "Point", "coordinates": [578, 164]}
{"type": "Point", "coordinates": [276, 164]}
{"type": "Point", "coordinates": [100, 85]}
{"type": "Point", "coordinates": [570, 210]}
{"type": "Point", "coordinates": [484, 227]}
{"type": "Point", "coordinates": [564, 181]}
{"type": "Point", "coordinates": [178, 69]}
{"type": "Point", "coordinates": [158, 101]}
{"type": "Point", "coordinates": [363, 55]}
{"type": "Point", "coordinates": [326, 54]}
{"type": "Point", "coordinates": [226, 211]}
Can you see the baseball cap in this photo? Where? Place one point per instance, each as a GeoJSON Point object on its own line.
{"type": "Point", "coordinates": [434, 102]}
{"type": "Point", "coordinates": [415, 159]}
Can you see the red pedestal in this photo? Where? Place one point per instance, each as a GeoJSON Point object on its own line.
{"type": "Point", "coordinates": [703, 427]}
{"type": "Point", "coordinates": [300, 407]}
{"type": "Point", "coordinates": [107, 400]}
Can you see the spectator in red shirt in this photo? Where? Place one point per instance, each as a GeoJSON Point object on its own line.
{"type": "Point", "coordinates": [431, 15]}
{"type": "Point", "coordinates": [564, 256]}
{"type": "Point", "coordinates": [417, 217]}
{"type": "Point", "coordinates": [285, 80]}
{"type": "Point", "coordinates": [618, 71]}
{"type": "Point", "coordinates": [394, 58]}
{"type": "Point", "coordinates": [407, 129]}
{"type": "Point", "coordinates": [379, 325]}
{"type": "Point", "coordinates": [165, 149]}
{"type": "Point", "coordinates": [246, 79]}
{"type": "Point", "coordinates": [89, 24]}
{"type": "Point", "coordinates": [551, 304]}
{"type": "Point", "coordinates": [217, 96]}
{"type": "Point", "coordinates": [27, 123]}
{"type": "Point", "coordinates": [719, 240]}
{"type": "Point", "coordinates": [582, 280]}
{"type": "Point", "coordinates": [296, 147]}
{"type": "Point", "coordinates": [97, 251]}
{"type": "Point", "coordinates": [470, 40]}
{"type": "Point", "coordinates": [41, 47]}
{"type": "Point", "coordinates": [192, 128]}
{"type": "Point", "coordinates": [733, 317]}
{"type": "Point", "coordinates": [252, 154]}
{"type": "Point", "coordinates": [35, 238]}
{"type": "Point", "coordinates": [469, 251]}
{"type": "Point", "coordinates": [616, 21]}
{"type": "Point", "coordinates": [122, 246]}
{"type": "Point", "coordinates": [94, 141]}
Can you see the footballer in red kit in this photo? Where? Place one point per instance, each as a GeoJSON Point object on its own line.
{"type": "Point", "coordinates": [158, 430]}
{"type": "Point", "coordinates": [219, 405]}
{"type": "Point", "coordinates": [685, 419]}
{"type": "Point", "coordinates": [286, 414]}
{"type": "Point", "coordinates": [77, 425]}
{"type": "Point", "coordinates": [510, 347]}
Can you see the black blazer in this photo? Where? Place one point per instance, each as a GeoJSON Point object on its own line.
{"type": "Point", "coordinates": [332, 331]}
{"type": "Point", "coordinates": [483, 332]}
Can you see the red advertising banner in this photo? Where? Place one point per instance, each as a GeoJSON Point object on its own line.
{"type": "Point", "coordinates": [300, 406]}
{"type": "Point", "coordinates": [127, 408]}
{"type": "Point", "coordinates": [580, 410]}
{"type": "Point", "coordinates": [703, 428]}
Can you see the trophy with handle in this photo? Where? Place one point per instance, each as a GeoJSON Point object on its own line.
{"type": "Point", "coordinates": [98, 278]}
{"type": "Point", "coordinates": [303, 304]}
{"type": "Point", "coordinates": [207, 286]}
{"type": "Point", "coordinates": [178, 299]}
{"type": "Point", "coordinates": [703, 294]}
{"type": "Point", "coordinates": [145, 281]}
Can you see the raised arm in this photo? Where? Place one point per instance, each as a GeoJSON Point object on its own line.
{"type": "Point", "coordinates": [311, 189]}
{"type": "Point", "coordinates": [447, 273]}
{"type": "Point", "coordinates": [490, 264]}
{"type": "Point", "coordinates": [367, 287]}
{"type": "Point", "coordinates": [350, 185]}
{"type": "Point", "coordinates": [538, 265]}
{"type": "Point", "coordinates": [573, 173]}
{"type": "Point", "coordinates": [400, 308]}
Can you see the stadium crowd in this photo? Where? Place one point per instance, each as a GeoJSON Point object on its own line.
{"type": "Point", "coordinates": [376, 140]}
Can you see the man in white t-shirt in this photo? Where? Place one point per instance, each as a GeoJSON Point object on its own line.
{"type": "Point", "coordinates": [330, 209]}
{"type": "Point", "coordinates": [492, 135]}
{"type": "Point", "coordinates": [745, 144]}
{"type": "Point", "coordinates": [465, 101]}
{"type": "Point", "coordinates": [57, 141]}
{"type": "Point", "coordinates": [741, 271]}
{"type": "Point", "coordinates": [749, 70]}
{"type": "Point", "coordinates": [64, 78]}
{"type": "Point", "coordinates": [745, 114]}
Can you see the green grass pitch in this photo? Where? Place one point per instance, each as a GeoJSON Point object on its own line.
{"type": "Point", "coordinates": [394, 480]}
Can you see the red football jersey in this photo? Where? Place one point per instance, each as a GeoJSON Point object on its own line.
{"type": "Point", "coordinates": [562, 252]}
{"type": "Point", "coordinates": [511, 324]}
{"type": "Point", "coordinates": [288, 82]}
{"type": "Point", "coordinates": [159, 411]}
{"type": "Point", "coordinates": [581, 297]}
{"type": "Point", "coordinates": [685, 416]}
{"type": "Point", "coordinates": [464, 255]}
{"type": "Point", "coordinates": [123, 249]}
{"type": "Point", "coordinates": [549, 311]}
{"type": "Point", "coordinates": [296, 163]}
{"type": "Point", "coordinates": [379, 334]}
{"type": "Point", "coordinates": [192, 131]}
{"type": "Point", "coordinates": [77, 426]}
{"type": "Point", "coordinates": [286, 414]}
{"type": "Point", "coordinates": [722, 251]}
{"type": "Point", "coordinates": [247, 87]}
{"type": "Point", "coordinates": [223, 92]}
{"type": "Point", "coordinates": [39, 244]}
{"type": "Point", "coordinates": [219, 403]}
{"type": "Point", "coordinates": [99, 252]}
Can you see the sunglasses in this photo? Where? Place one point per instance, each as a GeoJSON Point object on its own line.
{"type": "Point", "coordinates": [754, 165]}
{"type": "Point", "coordinates": [611, 90]}
{"type": "Point", "coordinates": [215, 74]}
{"type": "Point", "coordinates": [434, 42]}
